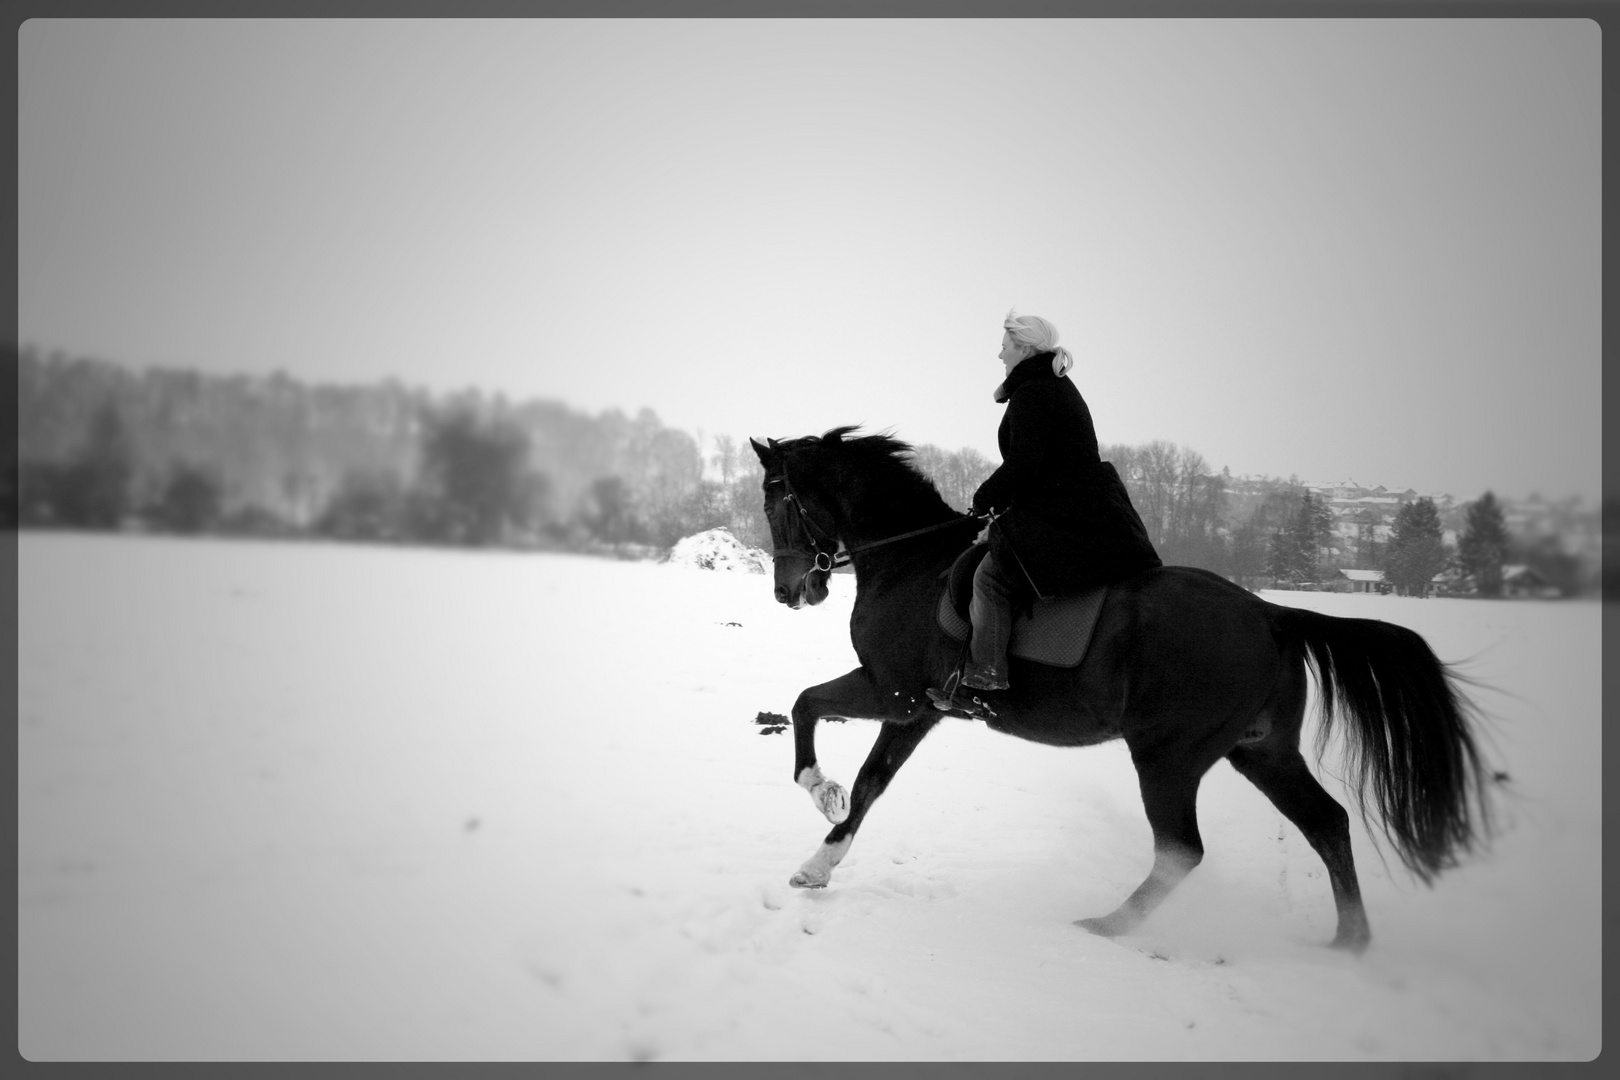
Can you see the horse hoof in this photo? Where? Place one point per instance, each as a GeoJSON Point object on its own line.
{"type": "Point", "coordinates": [802, 880]}
{"type": "Point", "coordinates": [1107, 926]}
{"type": "Point", "coordinates": [1355, 946]}
{"type": "Point", "coordinates": [832, 800]}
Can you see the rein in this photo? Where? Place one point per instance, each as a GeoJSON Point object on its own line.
{"type": "Point", "coordinates": [841, 556]}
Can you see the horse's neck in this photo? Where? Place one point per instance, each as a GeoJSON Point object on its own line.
{"type": "Point", "coordinates": [893, 517]}
{"type": "Point", "coordinates": [882, 522]}
{"type": "Point", "coordinates": [891, 564]}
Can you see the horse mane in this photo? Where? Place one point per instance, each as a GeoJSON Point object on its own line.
{"type": "Point", "coordinates": [879, 468]}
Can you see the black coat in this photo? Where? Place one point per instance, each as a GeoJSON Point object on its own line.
{"type": "Point", "coordinates": [1068, 522]}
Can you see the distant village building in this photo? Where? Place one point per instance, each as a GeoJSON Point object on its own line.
{"type": "Point", "coordinates": [1517, 581]}
{"type": "Point", "coordinates": [1548, 530]}
{"type": "Point", "coordinates": [1363, 580]}
{"type": "Point", "coordinates": [1523, 581]}
{"type": "Point", "coordinates": [1451, 581]}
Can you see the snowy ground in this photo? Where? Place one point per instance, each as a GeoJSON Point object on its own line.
{"type": "Point", "coordinates": [321, 802]}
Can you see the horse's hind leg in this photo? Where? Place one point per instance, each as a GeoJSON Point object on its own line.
{"type": "Point", "coordinates": [1170, 796]}
{"type": "Point", "coordinates": [1283, 777]}
{"type": "Point", "coordinates": [894, 745]}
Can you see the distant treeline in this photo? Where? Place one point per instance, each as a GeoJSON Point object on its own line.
{"type": "Point", "coordinates": [103, 447]}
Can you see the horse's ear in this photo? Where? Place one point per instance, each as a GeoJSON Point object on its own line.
{"type": "Point", "coordinates": [764, 454]}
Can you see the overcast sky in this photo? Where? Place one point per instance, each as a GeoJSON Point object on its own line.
{"type": "Point", "coordinates": [1361, 250]}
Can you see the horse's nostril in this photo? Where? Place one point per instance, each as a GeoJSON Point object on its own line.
{"type": "Point", "coordinates": [781, 594]}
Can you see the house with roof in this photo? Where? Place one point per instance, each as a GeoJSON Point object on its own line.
{"type": "Point", "coordinates": [1363, 580]}
{"type": "Point", "coordinates": [1524, 581]}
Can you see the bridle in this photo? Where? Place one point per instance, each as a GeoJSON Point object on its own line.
{"type": "Point", "coordinates": [838, 555]}
{"type": "Point", "coordinates": [800, 523]}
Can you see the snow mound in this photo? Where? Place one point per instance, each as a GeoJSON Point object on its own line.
{"type": "Point", "coordinates": [717, 549]}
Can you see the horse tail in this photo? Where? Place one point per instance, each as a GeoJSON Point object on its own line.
{"type": "Point", "coordinates": [1409, 738]}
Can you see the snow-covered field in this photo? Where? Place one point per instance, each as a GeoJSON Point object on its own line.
{"type": "Point", "coordinates": [323, 802]}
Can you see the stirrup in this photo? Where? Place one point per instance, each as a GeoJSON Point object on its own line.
{"type": "Point", "coordinates": [960, 701]}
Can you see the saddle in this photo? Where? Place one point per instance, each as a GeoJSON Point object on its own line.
{"type": "Point", "coordinates": [1053, 632]}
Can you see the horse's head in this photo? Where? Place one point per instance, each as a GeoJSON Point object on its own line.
{"type": "Point", "coordinates": [804, 521]}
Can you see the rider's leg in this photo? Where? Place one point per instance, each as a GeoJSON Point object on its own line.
{"type": "Point", "coordinates": [991, 612]}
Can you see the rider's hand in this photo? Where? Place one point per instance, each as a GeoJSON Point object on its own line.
{"type": "Point", "coordinates": [983, 537]}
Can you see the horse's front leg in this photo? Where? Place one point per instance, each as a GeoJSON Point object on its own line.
{"type": "Point", "coordinates": [894, 745]}
{"type": "Point", "coordinates": [848, 695]}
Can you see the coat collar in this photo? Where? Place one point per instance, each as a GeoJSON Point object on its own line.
{"type": "Point", "coordinates": [1037, 366]}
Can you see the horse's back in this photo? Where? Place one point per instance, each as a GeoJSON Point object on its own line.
{"type": "Point", "coordinates": [1193, 579]}
{"type": "Point", "coordinates": [1179, 593]}
{"type": "Point", "coordinates": [1181, 630]}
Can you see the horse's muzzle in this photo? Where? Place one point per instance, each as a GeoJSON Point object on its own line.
{"type": "Point", "coordinates": [807, 591]}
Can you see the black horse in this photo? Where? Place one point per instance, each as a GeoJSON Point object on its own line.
{"type": "Point", "coordinates": [1184, 665]}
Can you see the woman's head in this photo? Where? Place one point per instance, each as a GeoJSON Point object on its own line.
{"type": "Point", "coordinates": [1031, 331]}
{"type": "Point", "coordinates": [1026, 335]}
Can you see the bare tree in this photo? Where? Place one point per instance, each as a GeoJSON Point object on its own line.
{"type": "Point", "coordinates": [956, 473]}
{"type": "Point", "coordinates": [725, 453]}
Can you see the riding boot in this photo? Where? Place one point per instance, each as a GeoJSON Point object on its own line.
{"type": "Point", "coordinates": [984, 676]}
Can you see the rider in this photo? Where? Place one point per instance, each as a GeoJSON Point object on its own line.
{"type": "Point", "coordinates": [1061, 517]}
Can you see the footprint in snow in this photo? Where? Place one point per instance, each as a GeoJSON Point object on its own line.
{"type": "Point", "coordinates": [915, 887]}
{"type": "Point", "coordinates": [546, 975]}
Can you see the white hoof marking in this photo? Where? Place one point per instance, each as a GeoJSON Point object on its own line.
{"type": "Point", "coordinates": [828, 795]}
{"type": "Point", "coordinates": [832, 800]}
{"type": "Point", "coordinates": [817, 869]}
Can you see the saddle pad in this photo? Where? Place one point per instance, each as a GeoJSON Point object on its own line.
{"type": "Point", "coordinates": [1056, 634]}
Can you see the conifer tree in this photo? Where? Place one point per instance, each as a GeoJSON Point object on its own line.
{"type": "Point", "coordinates": [1483, 545]}
{"type": "Point", "coordinates": [1321, 527]}
{"type": "Point", "coordinates": [1282, 558]}
{"type": "Point", "coordinates": [1296, 548]}
{"type": "Point", "coordinates": [1310, 532]}
{"type": "Point", "coordinates": [1416, 551]}
{"type": "Point", "coordinates": [1248, 559]}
